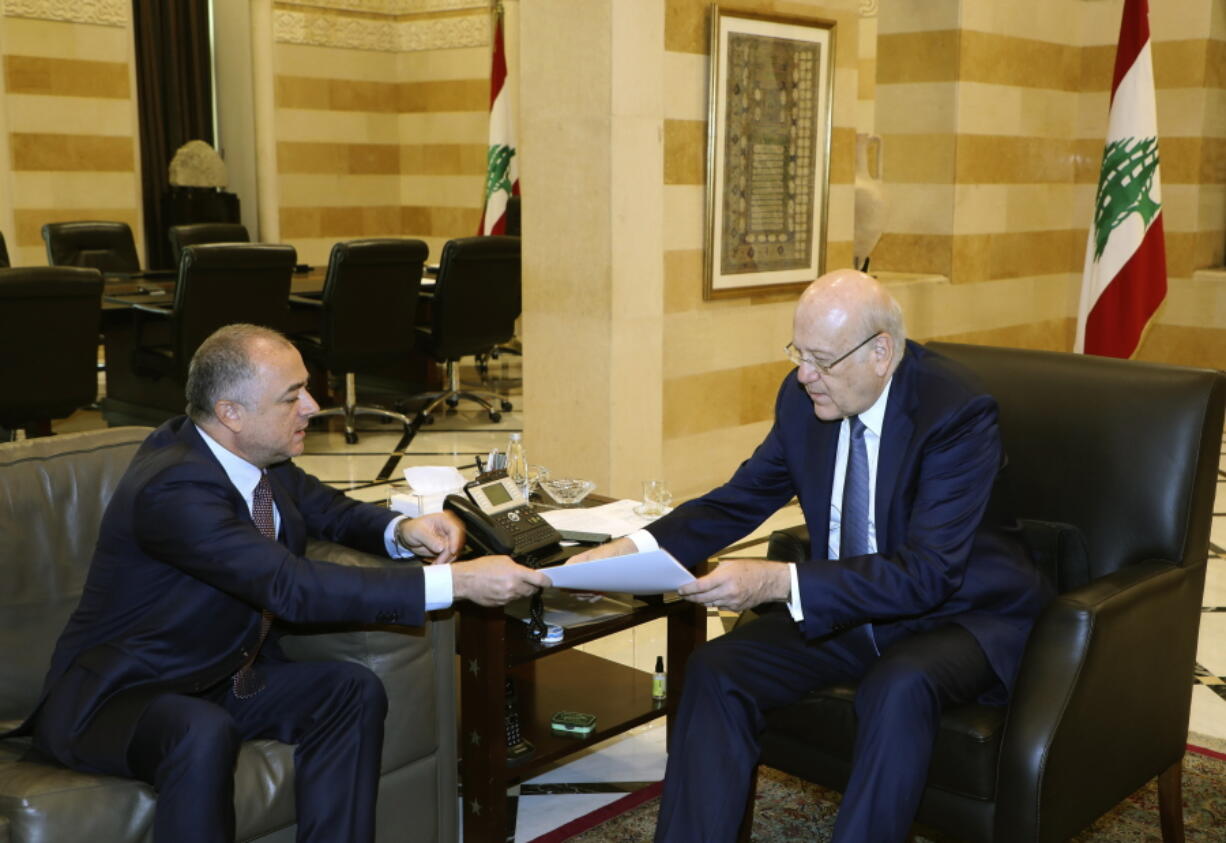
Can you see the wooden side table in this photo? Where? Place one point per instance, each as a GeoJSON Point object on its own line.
{"type": "Point", "coordinates": [493, 646]}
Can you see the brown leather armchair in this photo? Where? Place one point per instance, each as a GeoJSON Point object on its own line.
{"type": "Point", "coordinates": [1112, 464]}
{"type": "Point", "coordinates": [52, 495]}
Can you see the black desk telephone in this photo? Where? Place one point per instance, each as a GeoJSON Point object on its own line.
{"type": "Point", "coordinates": [500, 521]}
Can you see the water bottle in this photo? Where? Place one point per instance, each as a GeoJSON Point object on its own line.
{"type": "Point", "coordinates": [517, 463]}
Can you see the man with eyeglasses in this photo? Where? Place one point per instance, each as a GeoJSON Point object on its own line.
{"type": "Point", "coordinates": [917, 593]}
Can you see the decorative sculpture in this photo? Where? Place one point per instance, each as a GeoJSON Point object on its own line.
{"type": "Point", "coordinates": [870, 200]}
{"type": "Point", "coordinates": [196, 164]}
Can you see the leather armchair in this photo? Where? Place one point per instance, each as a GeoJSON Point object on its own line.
{"type": "Point", "coordinates": [106, 246]}
{"type": "Point", "coordinates": [182, 236]}
{"type": "Point", "coordinates": [52, 495]}
{"type": "Point", "coordinates": [1112, 464]}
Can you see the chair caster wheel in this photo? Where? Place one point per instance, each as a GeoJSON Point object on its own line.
{"type": "Point", "coordinates": [453, 402]}
{"type": "Point", "coordinates": [351, 438]}
{"type": "Point", "coordinates": [429, 420]}
{"type": "Point", "coordinates": [495, 416]}
{"type": "Point", "coordinates": [507, 405]}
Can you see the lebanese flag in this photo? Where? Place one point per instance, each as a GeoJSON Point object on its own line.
{"type": "Point", "coordinates": [1125, 268]}
{"type": "Point", "coordinates": [502, 174]}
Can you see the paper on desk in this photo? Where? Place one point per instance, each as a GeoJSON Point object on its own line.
{"type": "Point", "coordinates": [617, 518]}
{"type": "Point", "coordinates": [649, 572]}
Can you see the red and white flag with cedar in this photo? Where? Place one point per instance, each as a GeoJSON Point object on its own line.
{"type": "Point", "coordinates": [1125, 268]}
{"type": "Point", "coordinates": [502, 175]}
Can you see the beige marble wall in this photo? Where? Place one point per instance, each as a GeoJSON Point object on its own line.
{"type": "Point", "coordinates": [70, 147]}
{"type": "Point", "coordinates": [380, 122]}
{"type": "Point", "coordinates": [994, 115]}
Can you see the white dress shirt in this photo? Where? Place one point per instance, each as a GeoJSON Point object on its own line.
{"type": "Point", "coordinates": [874, 419]}
{"type": "Point", "coordinates": [246, 476]}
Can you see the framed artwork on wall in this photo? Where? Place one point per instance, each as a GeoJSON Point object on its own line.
{"type": "Point", "coordinates": [768, 152]}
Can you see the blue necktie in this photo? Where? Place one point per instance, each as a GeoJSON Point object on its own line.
{"type": "Point", "coordinates": [853, 530]}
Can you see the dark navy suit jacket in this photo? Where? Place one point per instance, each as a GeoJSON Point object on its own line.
{"type": "Point", "coordinates": [180, 573]}
{"type": "Point", "coordinates": [938, 561]}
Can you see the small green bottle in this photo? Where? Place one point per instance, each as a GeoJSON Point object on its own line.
{"type": "Point", "coordinates": [659, 682]}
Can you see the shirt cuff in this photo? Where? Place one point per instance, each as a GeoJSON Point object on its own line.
{"type": "Point", "coordinates": [794, 606]}
{"type": "Point", "coordinates": [439, 593]}
{"type": "Point", "coordinates": [643, 541]}
{"type": "Point", "coordinates": [394, 548]}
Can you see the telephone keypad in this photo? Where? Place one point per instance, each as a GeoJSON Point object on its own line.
{"type": "Point", "coordinates": [529, 529]}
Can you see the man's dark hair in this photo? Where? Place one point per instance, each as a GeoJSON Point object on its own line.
{"type": "Point", "coordinates": [222, 368]}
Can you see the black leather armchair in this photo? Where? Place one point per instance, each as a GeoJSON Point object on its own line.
{"type": "Point", "coordinates": [1113, 465]}
{"type": "Point", "coordinates": [107, 246]}
{"type": "Point", "coordinates": [48, 343]}
{"type": "Point", "coordinates": [367, 311]}
{"type": "Point", "coordinates": [475, 305]}
{"type": "Point", "coordinates": [182, 236]}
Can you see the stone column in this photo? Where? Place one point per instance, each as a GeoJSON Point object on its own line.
{"type": "Point", "coordinates": [591, 117]}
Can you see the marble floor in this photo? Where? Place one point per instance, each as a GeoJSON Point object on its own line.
{"type": "Point", "coordinates": [605, 772]}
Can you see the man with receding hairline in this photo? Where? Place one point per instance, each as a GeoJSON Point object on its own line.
{"type": "Point", "coordinates": [912, 590]}
{"type": "Point", "coordinates": [171, 660]}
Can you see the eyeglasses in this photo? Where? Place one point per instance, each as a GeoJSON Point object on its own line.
{"type": "Point", "coordinates": [802, 358]}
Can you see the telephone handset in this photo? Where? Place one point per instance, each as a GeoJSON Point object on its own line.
{"type": "Point", "coordinates": [500, 521]}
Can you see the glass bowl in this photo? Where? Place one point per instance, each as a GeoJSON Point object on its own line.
{"type": "Point", "coordinates": [567, 490]}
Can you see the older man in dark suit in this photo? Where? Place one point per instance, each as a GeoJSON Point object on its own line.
{"type": "Point", "coordinates": [893, 453]}
{"type": "Point", "coordinates": [167, 664]}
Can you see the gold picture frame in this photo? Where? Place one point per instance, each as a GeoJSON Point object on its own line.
{"type": "Point", "coordinates": [768, 152]}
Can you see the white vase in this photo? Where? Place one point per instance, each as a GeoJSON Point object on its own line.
{"type": "Point", "coordinates": [870, 200]}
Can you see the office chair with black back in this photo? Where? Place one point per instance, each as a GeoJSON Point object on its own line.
{"type": "Point", "coordinates": [48, 343]}
{"type": "Point", "coordinates": [199, 233]}
{"type": "Point", "coordinates": [106, 246]}
{"type": "Point", "coordinates": [1112, 467]}
{"type": "Point", "coordinates": [366, 317]}
{"type": "Point", "coordinates": [218, 284]}
{"type": "Point", "coordinates": [475, 304]}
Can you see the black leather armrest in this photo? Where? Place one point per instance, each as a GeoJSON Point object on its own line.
{"type": "Point", "coordinates": [1105, 656]}
{"type": "Point", "coordinates": [306, 301]}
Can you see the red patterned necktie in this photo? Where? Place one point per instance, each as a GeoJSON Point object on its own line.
{"type": "Point", "coordinates": [247, 682]}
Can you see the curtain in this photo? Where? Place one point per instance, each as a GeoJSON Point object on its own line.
{"type": "Point", "coordinates": [175, 102]}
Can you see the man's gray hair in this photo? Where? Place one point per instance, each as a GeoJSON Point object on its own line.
{"type": "Point", "coordinates": [222, 368]}
{"type": "Point", "coordinates": [885, 314]}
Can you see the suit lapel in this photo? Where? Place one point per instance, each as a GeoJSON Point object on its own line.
{"type": "Point", "coordinates": [816, 471]}
{"type": "Point", "coordinates": [896, 433]}
{"type": "Point", "coordinates": [293, 530]}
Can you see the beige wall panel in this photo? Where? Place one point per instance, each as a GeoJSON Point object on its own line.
{"type": "Point", "coordinates": [686, 26]}
{"type": "Point", "coordinates": [1177, 64]}
{"type": "Point", "coordinates": [1195, 302]}
{"type": "Point", "coordinates": [1173, 20]}
{"type": "Point", "coordinates": [1006, 60]}
{"type": "Point", "coordinates": [55, 114]}
{"type": "Point", "coordinates": [979, 257]}
{"type": "Point", "coordinates": [31, 220]}
{"type": "Point", "coordinates": [445, 127]}
{"type": "Point", "coordinates": [928, 208]}
{"type": "Point", "coordinates": [296, 124]}
{"type": "Point", "coordinates": [1039, 20]}
{"type": "Point", "coordinates": [986, 109]}
{"type": "Point", "coordinates": [1211, 213]}
{"type": "Point", "coordinates": [445, 95]}
{"type": "Point", "coordinates": [60, 39]}
{"type": "Point", "coordinates": [916, 108]}
{"type": "Point", "coordinates": [1181, 206]}
{"type": "Point", "coordinates": [1184, 111]}
{"type": "Point", "coordinates": [684, 216]}
{"type": "Point", "coordinates": [45, 151]}
{"type": "Point", "coordinates": [338, 158]}
{"type": "Point", "coordinates": [919, 158]}
{"type": "Point", "coordinates": [66, 77]}
{"type": "Point", "coordinates": [911, 57]}
{"type": "Point", "coordinates": [1212, 161]}
{"type": "Point", "coordinates": [327, 94]}
{"type": "Point", "coordinates": [314, 251]}
{"type": "Point", "coordinates": [904, 16]}
{"type": "Point", "coordinates": [443, 159]}
{"type": "Point", "coordinates": [839, 254]}
{"type": "Point", "coordinates": [335, 63]}
{"type": "Point", "coordinates": [306, 190]}
{"type": "Point", "coordinates": [999, 159]}
{"type": "Point", "coordinates": [1049, 335]}
{"type": "Point", "coordinates": [1184, 346]}
{"type": "Point", "coordinates": [439, 221]}
{"type": "Point", "coordinates": [341, 223]}
{"type": "Point", "coordinates": [713, 400]}
{"type": "Point", "coordinates": [685, 152]}
{"type": "Point", "coordinates": [458, 63]}
{"type": "Point", "coordinates": [683, 281]}
{"type": "Point", "coordinates": [1215, 113]}
{"type": "Point", "coordinates": [76, 190]}
{"type": "Point", "coordinates": [924, 253]}
{"type": "Point", "coordinates": [696, 464]}
{"type": "Point", "coordinates": [947, 309]}
{"type": "Point", "coordinates": [443, 191]}
{"type": "Point", "coordinates": [843, 155]}
{"type": "Point", "coordinates": [712, 340]}
{"type": "Point", "coordinates": [685, 86]}
{"type": "Point", "coordinates": [840, 217]}
{"type": "Point", "coordinates": [990, 208]}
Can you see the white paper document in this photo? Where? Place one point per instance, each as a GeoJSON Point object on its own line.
{"type": "Point", "coordinates": [617, 518]}
{"type": "Point", "coordinates": [649, 572]}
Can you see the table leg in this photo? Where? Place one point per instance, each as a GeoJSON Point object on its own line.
{"type": "Point", "coordinates": [483, 747]}
{"type": "Point", "coordinates": [687, 628]}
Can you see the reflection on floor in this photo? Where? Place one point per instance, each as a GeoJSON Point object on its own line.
{"type": "Point", "coordinates": [606, 771]}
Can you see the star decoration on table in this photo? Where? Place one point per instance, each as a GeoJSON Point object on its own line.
{"type": "Point", "coordinates": [475, 807]}
{"type": "Point", "coordinates": [473, 667]}
{"type": "Point", "coordinates": [474, 738]}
